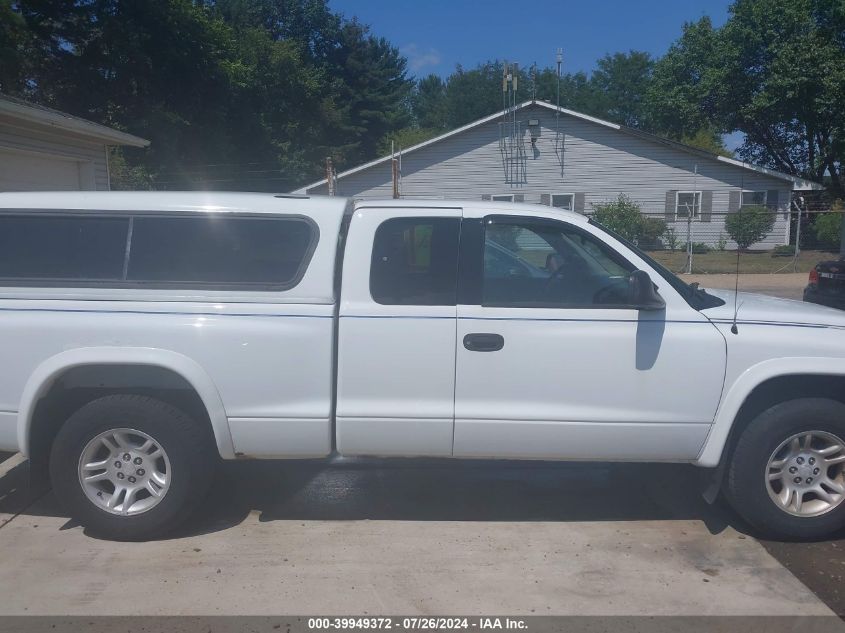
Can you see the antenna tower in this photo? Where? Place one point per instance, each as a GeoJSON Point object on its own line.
{"type": "Point", "coordinates": [559, 137]}
{"type": "Point", "coordinates": [510, 129]}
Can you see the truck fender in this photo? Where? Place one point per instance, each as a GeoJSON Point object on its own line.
{"type": "Point", "coordinates": [737, 393]}
{"type": "Point", "coordinates": [47, 372]}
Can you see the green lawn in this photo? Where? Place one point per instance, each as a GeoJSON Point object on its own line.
{"type": "Point", "coordinates": [749, 262]}
{"type": "Point", "coordinates": [716, 262]}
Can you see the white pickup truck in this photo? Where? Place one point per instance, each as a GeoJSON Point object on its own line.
{"type": "Point", "coordinates": [146, 335]}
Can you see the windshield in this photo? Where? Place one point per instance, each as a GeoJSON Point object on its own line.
{"type": "Point", "coordinates": [697, 297]}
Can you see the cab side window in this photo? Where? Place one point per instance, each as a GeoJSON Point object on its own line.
{"type": "Point", "coordinates": [533, 263]}
{"type": "Point", "coordinates": [415, 261]}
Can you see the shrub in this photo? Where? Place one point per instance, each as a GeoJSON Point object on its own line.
{"type": "Point", "coordinates": [784, 250]}
{"type": "Point", "coordinates": [749, 225]}
{"type": "Point", "coordinates": [698, 248]}
{"type": "Point", "coordinates": [828, 229]}
{"type": "Point", "coordinates": [722, 242]}
{"type": "Point", "coordinates": [651, 230]}
{"type": "Point", "coordinates": [125, 178]}
{"type": "Point", "coordinates": [623, 216]}
{"type": "Point", "coordinates": [671, 239]}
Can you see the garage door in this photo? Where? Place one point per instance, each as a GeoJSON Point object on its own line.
{"type": "Point", "coordinates": [27, 172]}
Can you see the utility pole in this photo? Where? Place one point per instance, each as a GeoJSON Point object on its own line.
{"type": "Point", "coordinates": [394, 170]}
{"type": "Point", "coordinates": [690, 212]}
{"type": "Point", "coordinates": [331, 177]}
{"type": "Point", "coordinates": [797, 253]}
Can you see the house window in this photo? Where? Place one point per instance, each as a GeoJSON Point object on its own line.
{"type": "Point", "coordinates": [505, 197]}
{"type": "Point", "coordinates": [687, 205]}
{"type": "Point", "coordinates": [753, 198]}
{"type": "Point", "coordinates": [562, 201]}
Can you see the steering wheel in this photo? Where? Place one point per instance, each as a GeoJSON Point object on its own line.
{"type": "Point", "coordinates": [569, 266]}
{"type": "Point", "coordinates": [556, 275]}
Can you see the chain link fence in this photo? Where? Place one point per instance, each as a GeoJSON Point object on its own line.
{"type": "Point", "coordinates": [766, 240]}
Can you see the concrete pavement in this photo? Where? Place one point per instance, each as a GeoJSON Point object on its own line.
{"type": "Point", "coordinates": [417, 538]}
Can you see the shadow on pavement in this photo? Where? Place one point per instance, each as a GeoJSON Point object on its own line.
{"type": "Point", "coordinates": [17, 493]}
{"type": "Point", "coordinates": [446, 490]}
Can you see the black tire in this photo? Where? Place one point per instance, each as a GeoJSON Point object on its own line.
{"type": "Point", "coordinates": [189, 447]}
{"type": "Point", "coordinates": [745, 486]}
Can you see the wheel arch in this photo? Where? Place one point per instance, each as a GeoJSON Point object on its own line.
{"type": "Point", "coordinates": [51, 370]}
{"type": "Point", "coordinates": [764, 385]}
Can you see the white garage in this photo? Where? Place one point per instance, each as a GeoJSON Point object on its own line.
{"type": "Point", "coordinates": [46, 150]}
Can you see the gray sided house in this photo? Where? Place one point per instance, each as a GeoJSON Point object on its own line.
{"type": "Point", "coordinates": [571, 160]}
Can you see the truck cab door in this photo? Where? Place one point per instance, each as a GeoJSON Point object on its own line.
{"type": "Point", "coordinates": [396, 332]}
{"type": "Point", "coordinates": [553, 362]}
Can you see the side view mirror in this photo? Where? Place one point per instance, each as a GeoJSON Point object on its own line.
{"type": "Point", "coordinates": [642, 293]}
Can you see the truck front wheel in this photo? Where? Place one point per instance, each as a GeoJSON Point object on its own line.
{"type": "Point", "coordinates": [131, 467]}
{"type": "Point", "coordinates": [787, 473]}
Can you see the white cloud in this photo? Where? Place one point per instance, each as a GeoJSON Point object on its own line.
{"type": "Point", "coordinates": [420, 58]}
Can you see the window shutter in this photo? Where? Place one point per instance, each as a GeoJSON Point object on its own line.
{"type": "Point", "coordinates": [773, 199]}
{"type": "Point", "coordinates": [485, 196]}
{"type": "Point", "coordinates": [669, 211]}
{"type": "Point", "coordinates": [579, 202]}
{"type": "Point", "coordinates": [546, 199]}
{"type": "Point", "coordinates": [734, 200]}
{"type": "Point", "coordinates": [706, 206]}
{"type": "Point", "coordinates": [519, 197]}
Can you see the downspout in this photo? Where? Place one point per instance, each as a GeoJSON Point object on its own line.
{"type": "Point", "coordinates": [108, 168]}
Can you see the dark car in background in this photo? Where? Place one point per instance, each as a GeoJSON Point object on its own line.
{"type": "Point", "coordinates": [827, 284]}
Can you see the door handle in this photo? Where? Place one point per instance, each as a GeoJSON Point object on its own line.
{"type": "Point", "coordinates": [483, 342]}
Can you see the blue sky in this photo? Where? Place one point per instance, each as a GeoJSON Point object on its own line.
{"type": "Point", "coordinates": [437, 34]}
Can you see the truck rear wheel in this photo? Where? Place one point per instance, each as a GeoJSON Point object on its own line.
{"type": "Point", "coordinates": [131, 467]}
{"type": "Point", "coordinates": [787, 473]}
